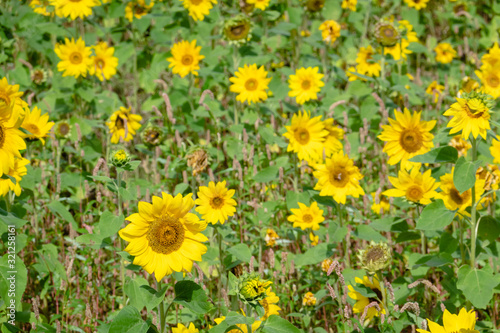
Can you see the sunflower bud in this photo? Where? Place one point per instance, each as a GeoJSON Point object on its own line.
{"type": "Point", "coordinates": [152, 135]}
{"type": "Point", "coordinates": [120, 158]}
{"type": "Point", "coordinates": [39, 76]}
{"type": "Point", "coordinates": [375, 257]}
{"type": "Point", "coordinates": [252, 289]}
{"type": "Point", "coordinates": [387, 34]}
{"type": "Point", "coordinates": [197, 159]}
{"type": "Point", "coordinates": [62, 129]}
{"type": "Point", "coordinates": [237, 30]}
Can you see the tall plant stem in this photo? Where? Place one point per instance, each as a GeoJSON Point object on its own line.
{"type": "Point", "coordinates": [221, 268]}
{"type": "Point", "coordinates": [344, 242]}
{"type": "Point", "coordinates": [161, 312]}
{"type": "Point", "coordinates": [473, 212]}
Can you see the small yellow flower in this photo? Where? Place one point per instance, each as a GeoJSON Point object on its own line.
{"type": "Point", "coordinates": [414, 186]}
{"type": "Point", "coordinates": [417, 4]}
{"type": "Point", "coordinates": [250, 83]}
{"type": "Point", "coordinates": [325, 264]}
{"type": "Point", "coordinates": [305, 84]}
{"type": "Point", "coordinates": [37, 124]}
{"type": "Point", "coordinates": [375, 257]}
{"type": "Point", "coordinates": [137, 9]}
{"type": "Point", "coordinates": [259, 4]}
{"type": "Point", "coordinates": [363, 301]}
{"type": "Point", "coordinates": [271, 237]}
{"type": "Point", "coordinates": [104, 63]}
{"type": "Point", "coordinates": [435, 89]}
{"type": "Point", "coordinates": [366, 65]}
{"type": "Point", "coordinates": [306, 217]}
{"type": "Point", "coordinates": [18, 171]}
{"type": "Point", "coordinates": [462, 146]}
{"type": "Point", "coordinates": [74, 8]}
{"type": "Point", "coordinates": [183, 329]}
{"type": "Point", "coordinates": [185, 58]}
{"type": "Point", "coordinates": [330, 31]}
{"type": "Point", "coordinates": [383, 206]}
{"type": "Point", "coordinates": [252, 288]}
{"type": "Point", "coordinates": [309, 299]}
{"type": "Point", "coordinates": [123, 125]}
{"type": "Point", "coordinates": [314, 239]}
{"type": "Point", "coordinates": [269, 304]}
{"type": "Point", "coordinates": [75, 57]}
{"type": "Point", "coordinates": [349, 4]}
{"type": "Point", "coordinates": [453, 199]}
{"type": "Point", "coordinates": [470, 115]}
{"type": "Point", "coordinates": [198, 9]}
{"type": "Point", "coordinates": [495, 150]}
{"type": "Point", "coordinates": [215, 202]}
{"type": "Point", "coordinates": [444, 53]}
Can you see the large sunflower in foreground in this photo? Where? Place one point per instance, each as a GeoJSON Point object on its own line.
{"type": "Point", "coordinates": [103, 63]}
{"type": "Point", "coordinates": [123, 124]}
{"type": "Point", "coordinates": [250, 83]}
{"type": "Point", "coordinates": [75, 8]}
{"type": "Point", "coordinates": [305, 84]}
{"type": "Point", "coordinates": [215, 202]}
{"type": "Point", "coordinates": [414, 186]}
{"type": "Point", "coordinates": [306, 217]}
{"type": "Point", "coordinates": [306, 136]}
{"type": "Point", "coordinates": [185, 58]}
{"type": "Point", "coordinates": [11, 141]}
{"type": "Point", "coordinates": [407, 136]}
{"type": "Point", "coordinates": [464, 322]}
{"type": "Point", "coordinates": [338, 177]}
{"type": "Point", "coordinates": [164, 237]}
{"type": "Point", "coordinates": [470, 115]}
{"type": "Point", "coordinates": [198, 9]}
{"type": "Point", "coordinates": [75, 57]}
{"type": "Point", "coordinates": [453, 199]}
{"type": "Point", "coordinates": [37, 124]}
{"type": "Point", "coordinates": [9, 93]}
{"type": "Point", "coordinates": [495, 149]}
{"type": "Point", "coordinates": [363, 301]}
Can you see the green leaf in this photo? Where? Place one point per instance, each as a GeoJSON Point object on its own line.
{"type": "Point", "coordinates": [435, 216]}
{"type": "Point", "coordinates": [489, 228]}
{"type": "Point", "coordinates": [191, 296]}
{"type": "Point", "coordinates": [58, 208]}
{"type": "Point", "coordinates": [276, 324]}
{"type": "Point", "coordinates": [477, 285]}
{"type": "Point", "coordinates": [313, 256]}
{"type": "Point", "coordinates": [142, 295]}
{"type": "Point", "coordinates": [464, 176]}
{"type": "Point", "coordinates": [241, 252]}
{"type": "Point", "coordinates": [446, 154]}
{"type": "Point", "coordinates": [109, 224]}
{"type": "Point", "coordinates": [293, 198]}
{"type": "Point", "coordinates": [366, 232]}
{"type": "Point", "coordinates": [129, 320]}
{"type": "Point", "coordinates": [12, 271]}
{"type": "Point", "coordinates": [267, 175]}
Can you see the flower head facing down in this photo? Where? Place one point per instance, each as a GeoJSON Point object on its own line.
{"type": "Point", "coordinates": [185, 58]}
{"type": "Point", "coordinates": [198, 9]}
{"type": "Point", "coordinates": [375, 257]}
{"type": "Point", "coordinates": [414, 186]}
{"type": "Point", "coordinates": [305, 84]}
{"type": "Point", "coordinates": [197, 159]}
{"type": "Point", "coordinates": [363, 301]}
{"type": "Point", "coordinates": [470, 115]}
{"type": "Point", "coordinates": [75, 57]}
{"type": "Point", "coordinates": [104, 63]}
{"type": "Point", "coordinates": [444, 53]}
{"type": "Point", "coordinates": [164, 237]}
{"type": "Point", "coordinates": [215, 202]}
{"type": "Point", "coordinates": [330, 31]}
{"type": "Point", "coordinates": [306, 217]}
{"type": "Point", "coordinates": [464, 322]}
{"type": "Point", "coordinates": [250, 83]}
{"type": "Point", "coordinates": [123, 125]}
{"type": "Point", "coordinates": [37, 125]}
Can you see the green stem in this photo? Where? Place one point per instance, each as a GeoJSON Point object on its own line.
{"type": "Point", "coordinates": [161, 312]}
{"type": "Point", "coordinates": [122, 245]}
{"type": "Point", "coordinates": [382, 64]}
{"type": "Point", "coordinates": [382, 289]}
{"type": "Point", "coordinates": [344, 244]}
{"type": "Point", "coordinates": [221, 268]}
{"type": "Point", "coordinates": [473, 211]}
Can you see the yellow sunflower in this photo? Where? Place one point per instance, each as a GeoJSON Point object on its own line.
{"type": "Point", "coordinates": [417, 4]}
{"type": "Point", "coordinates": [349, 4]}
{"type": "Point", "coordinates": [40, 7]}
{"type": "Point", "coordinates": [198, 9]}
{"type": "Point", "coordinates": [492, 58]}
{"type": "Point", "coordinates": [271, 237]}
{"type": "Point", "coordinates": [309, 299]}
{"type": "Point", "coordinates": [215, 202]}
{"type": "Point", "coordinates": [407, 136]}
{"type": "Point", "coordinates": [338, 177]}
{"type": "Point", "coordinates": [17, 172]}
{"type": "Point", "coordinates": [495, 150]}
{"type": "Point", "coordinates": [444, 53]}
{"type": "Point", "coordinates": [137, 9]}
{"type": "Point", "coordinates": [123, 125]}
{"type": "Point", "coordinates": [305, 84]}
{"type": "Point", "coordinates": [241, 327]}
{"type": "Point", "coordinates": [103, 63]}
{"type": "Point", "coordinates": [9, 94]}
{"type": "Point", "coordinates": [11, 141]}
{"type": "Point", "coordinates": [332, 142]}
{"type": "Point", "coordinates": [185, 58]}
{"type": "Point", "coordinates": [306, 217]}
{"type": "Point", "coordinates": [363, 301]}
{"type": "Point", "coordinates": [75, 57]}
{"type": "Point", "coordinates": [461, 145]}
{"type": "Point", "coordinates": [330, 31]}
{"type": "Point", "coordinates": [453, 199]}
{"type": "Point", "coordinates": [490, 78]}
{"type": "Point", "coordinates": [383, 205]}
{"type": "Point", "coordinates": [314, 239]}
{"type": "Point", "coordinates": [365, 63]}
{"type": "Point", "coordinates": [414, 186]}
{"type": "Point", "coordinates": [470, 115]}
{"type": "Point", "coordinates": [37, 124]}
{"type": "Point", "coordinates": [74, 8]}
{"type": "Point", "coordinates": [269, 304]}
{"type": "Point", "coordinates": [435, 89]}
{"type": "Point", "coordinates": [250, 83]}
{"type": "Point", "coordinates": [306, 136]}
{"type": "Point", "coordinates": [400, 50]}
{"type": "Point", "coordinates": [259, 4]}
{"type": "Point", "coordinates": [465, 322]}
{"type": "Point", "coordinates": [183, 329]}
{"type": "Point", "coordinates": [164, 237]}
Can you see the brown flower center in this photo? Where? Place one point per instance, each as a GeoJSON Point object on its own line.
{"type": "Point", "coordinates": [339, 177]}
{"type": "Point", "coordinates": [493, 81]}
{"type": "Point", "coordinates": [411, 140]}
{"type": "Point", "coordinates": [75, 58]}
{"type": "Point", "coordinates": [119, 123]}
{"type": "Point", "coordinates": [166, 234]}
{"type": "Point", "coordinates": [63, 129]}
{"type": "Point", "coordinates": [217, 202]}
{"type": "Point", "coordinates": [238, 30]}
{"type": "Point", "coordinates": [33, 129]}
{"type": "Point", "coordinates": [388, 32]}
{"type": "Point", "coordinates": [100, 63]}
{"type": "Point", "coordinates": [196, 2]}
{"type": "Point", "coordinates": [251, 84]}
{"type": "Point", "coordinates": [187, 60]}
{"type": "Point", "coordinates": [306, 84]}
{"type": "Point", "coordinates": [456, 197]}
{"type": "Point", "coordinates": [414, 193]}
{"type": "Point", "coordinates": [471, 113]}
{"type": "Point", "coordinates": [374, 254]}
{"type": "Point", "coordinates": [307, 218]}
{"type": "Point", "coordinates": [302, 136]}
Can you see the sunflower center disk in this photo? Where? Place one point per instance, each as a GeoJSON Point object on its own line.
{"type": "Point", "coordinates": [339, 177]}
{"type": "Point", "coordinates": [166, 235]}
{"type": "Point", "coordinates": [75, 0]}
{"type": "Point", "coordinates": [388, 32]}
{"type": "Point", "coordinates": [187, 60]}
{"type": "Point", "coordinates": [2, 135]}
{"type": "Point", "coordinates": [251, 84]}
{"type": "Point", "coordinates": [374, 254]}
{"type": "Point", "coordinates": [75, 58]}
{"type": "Point", "coordinates": [302, 136]}
{"type": "Point", "coordinates": [493, 81]}
{"type": "Point", "coordinates": [119, 123]}
{"type": "Point", "coordinates": [33, 129]}
{"type": "Point", "coordinates": [238, 30]}
{"type": "Point", "coordinates": [456, 197]}
{"type": "Point", "coordinates": [100, 63]}
{"type": "Point", "coordinates": [307, 218]}
{"type": "Point", "coordinates": [411, 141]}
{"type": "Point", "coordinates": [472, 111]}
{"type": "Point", "coordinates": [306, 84]}
{"type": "Point", "coordinates": [414, 193]}
{"type": "Point", "coordinates": [196, 2]}
{"type": "Point", "coordinates": [63, 129]}
{"type": "Point", "coordinates": [217, 202]}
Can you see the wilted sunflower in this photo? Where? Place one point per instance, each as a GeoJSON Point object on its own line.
{"type": "Point", "coordinates": [104, 63]}
{"type": "Point", "coordinates": [338, 177]}
{"type": "Point", "coordinates": [363, 301]}
{"type": "Point", "coordinates": [137, 9]}
{"type": "Point", "coordinates": [152, 135]}
{"type": "Point", "coordinates": [375, 257]}
{"type": "Point", "coordinates": [215, 202]}
{"type": "Point", "coordinates": [37, 124]}
{"type": "Point", "coordinates": [330, 31]}
{"type": "Point", "coordinates": [465, 322]}
{"type": "Point", "coordinates": [305, 84]}
{"type": "Point", "coordinates": [198, 9]}
{"type": "Point", "coordinates": [164, 237]}
{"type": "Point", "coordinates": [250, 83]}
{"type": "Point", "coordinates": [414, 186]}
{"type": "Point", "coordinates": [259, 4]}
{"type": "Point", "coordinates": [445, 53]}
{"type": "Point", "coordinates": [417, 4]}
{"type": "Point", "coordinates": [238, 29]}
{"type": "Point", "coordinates": [62, 129]}
{"type": "Point", "coordinates": [434, 89]}
{"type": "Point", "coordinates": [197, 158]}
{"type": "Point", "coordinates": [185, 58]}
{"type": "Point", "coordinates": [306, 217]}
{"type": "Point", "coordinates": [75, 57]}
{"type": "Point", "coordinates": [123, 125]}
{"type": "Point", "coordinates": [39, 76]}
{"type": "Point", "coordinates": [17, 172]}
{"type": "Point", "coordinates": [453, 199]}
{"type": "Point", "coordinates": [495, 150]}
{"type": "Point", "coordinates": [462, 146]}
{"type": "Point", "coordinates": [471, 114]}
{"type": "Point", "coordinates": [314, 5]}
{"type": "Point", "coordinates": [306, 136]}
{"type": "Point", "coordinates": [75, 8]}
{"type": "Point", "coordinates": [407, 136]}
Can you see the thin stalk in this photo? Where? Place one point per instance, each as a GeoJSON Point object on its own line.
{"type": "Point", "coordinates": [122, 245]}
{"type": "Point", "coordinates": [221, 267]}
{"type": "Point", "coordinates": [161, 312]}
{"type": "Point", "coordinates": [344, 244]}
{"type": "Point", "coordinates": [382, 289]}
{"type": "Point", "coordinates": [473, 211]}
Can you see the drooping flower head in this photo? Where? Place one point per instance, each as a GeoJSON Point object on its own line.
{"type": "Point", "coordinates": [75, 57]}
{"type": "Point", "coordinates": [123, 125]}
{"type": "Point", "coordinates": [445, 53]}
{"type": "Point", "coordinates": [414, 186]}
{"type": "Point", "coordinates": [215, 202]}
{"type": "Point", "coordinates": [306, 217]}
{"type": "Point", "coordinates": [103, 63]}
{"type": "Point", "coordinates": [185, 58]}
{"type": "Point", "coordinates": [197, 158]}
{"type": "Point", "coordinates": [362, 301]}
{"type": "Point", "coordinates": [464, 322]}
{"type": "Point", "coordinates": [461, 146]}
{"type": "Point", "coordinates": [250, 83]}
{"type": "Point", "coordinates": [198, 9]}
{"type": "Point", "coordinates": [305, 84]}
{"type": "Point", "coordinates": [164, 237]}
{"type": "Point", "coordinates": [138, 8]}
{"type": "Point", "coordinates": [330, 31]}
{"type": "Point", "coordinates": [37, 124]}
{"type": "Point", "coordinates": [74, 8]}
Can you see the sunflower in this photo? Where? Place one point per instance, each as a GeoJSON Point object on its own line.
{"type": "Point", "coordinates": [386, 33]}
{"type": "Point", "coordinates": [383, 205]}
{"type": "Point", "coordinates": [306, 136]}
{"type": "Point", "coordinates": [183, 329]}
{"type": "Point", "coordinates": [400, 50]}
{"type": "Point", "coordinates": [332, 142]}
{"type": "Point", "coordinates": [37, 124]}
{"type": "Point", "coordinates": [74, 8]}
{"type": "Point", "coordinates": [40, 7]}
{"type": "Point", "coordinates": [123, 124]}
{"type": "Point", "coordinates": [460, 145]}
{"type": "Point", "coordinates": [444, 53]}
{"type": "Point", "coordinates": [417, 4]}
{"type": "Point", "coordinates": [241, 327]}
{"type": "Point", "coordinates": [259, 4]}
{"type": "Point", "coordinates": [453, 199]}
{"type": "Point", "coordinates": [465, 322]}
{"type": "Point", "coordinates": [237, 30]}
{"type": "Point", "coordinates": [17, 172]}
{"type": "Point", "coordinates": [365, 63]}
{"type": "Point", "coordinates": [305, 84]}
{"type": "Point", "coordinates": [435, 89]}
{"type": "Point", "coordinates": [470, 115]}
{"type": "Point", "coordinates": [269, 304]}
{"type": "Point", "coordinates": [495, 150]}
{"type": "Point", "coordinates": [9, 94]}
{"type": "Point", "coordinates": [215, 202]}
{"type": "Point", "coordinates": [362, 301]}
{"type": "Point", "coordinates": [330, 31]}
{"type": "Point", "coordinates": [309, 299]}
{"type": "Point", "coordinates": [314, 239]}
{"type": "Point", "coordinates": [164, 237]}
{"type": "Point", "coordinates": [306, 217]}
{"type": "Point", "coordinates": [414, 186]}
{"type": "Point", "coordinates": [103, 63]}
{"type": "Point", "coordinates": [198, 8]}
{"type": "Point", "coordinates": [185, 58]}
{"type": "Point", "coordinates": [492, 58]}
{"type": "Point", "coordinates": [250, 83]}
{"type": "Point", "coordinates": [315, 5]}
{"type": "Point", "coordinates": [11, 141]}
{"type": "Point", "coordinates": [137, 9]}
{"type": "Point", "coordinates": [490, 78]}
{"type": "Point", "coordinates": [271, 237]}
{"type": "Point", "coordinates": [75, 57]}
{"type": "Point", "coordinates": [349, 4]}
{"type": "Point", "coordinates": [338, 177]}
{"type": "Point", "coordinates": [407, 136]}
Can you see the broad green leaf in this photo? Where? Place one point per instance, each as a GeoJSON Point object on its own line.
{"type": "Point", "coordinates": [142, 295]}
{"type": "Point", "coordinates": [435, 216]}
{"type": "Point", "coordinates": [366, 232]}
{"type": "Point", "coordinates": [129, 320]}
{"type": "Point", "coordinates": [313, 256]}
{"type": "Point", "coordinates": [241, 252]}
{"type": "Point", "coordinates": [267, 175]}
{"type": "Point", "coordinates": [464, 176]}
{"type": "Point", "coordinates": [293, 198]}
{"type": "Point", "coordinates": [12, 271]}
{"type": "Point", "coordinates": [276, 324]}
{"type": "Point", "coordinates": [446, 154]}
{"type": "Point", "coordinates": [58, 208]}
{"type": "Point", "coordinates": [489, 228]}
{"type": "Point", "coordinates": [191, 296]}
{"type": "Point", "coordinates": [477, 285]}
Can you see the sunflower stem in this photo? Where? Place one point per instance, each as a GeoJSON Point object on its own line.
{"type": "Point", "coordinates": [221, 267]}
{"type": "Point", "coordinates": [473, 211]}
{"type": "Point", "coordinates": [161, 311]}
{"type": "Point", "coordinates": [382, 64]}
{"type": "Point", "coordinates": [382, 289]}
{"type": "Point", "coordinates": [344, 244]}
{"type": "Point", "coordinates": [122, 245]}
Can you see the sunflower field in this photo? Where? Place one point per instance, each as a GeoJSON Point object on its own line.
{"type": "Point", "coordinates": [273, 166]}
